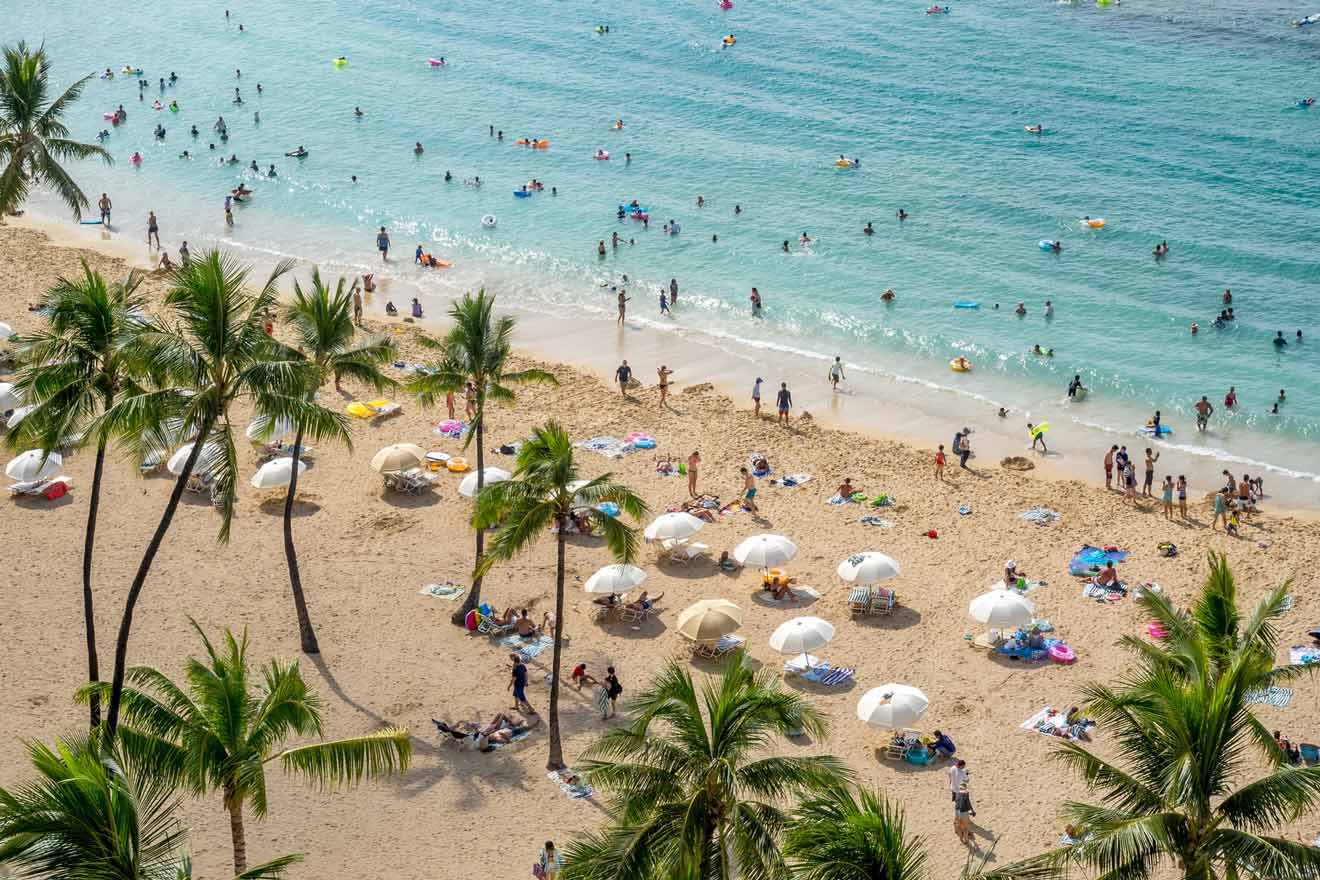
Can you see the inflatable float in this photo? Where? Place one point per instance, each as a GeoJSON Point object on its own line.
{"type": "Point", "coordinates": [340, 61]}
{"type": "Point", "coordinates": [1095, 222]}
{"type": "Point", "coordinates": [1162, 431]}
{"type": "Point", "coordinates": [540, 145]}
{"type": "Point", "coordinates": [724, 4]}
{"type": "Point", "coordinates": [109, 115]}
{"type": "Point", "coordinates": [174, 106]}
{"type": "Point", "coordinates": [132, 71]}
{"type": "Point", "coordinates": [1034, 129]}
{"type": "Point", "coordinates": [1314, 18]}
{"type": "Point", "coordinates": [967, 304]}
{"type": "Point", "coordinates": [843, 163]}
{"type": "Point", "coordinates": [634, 209]}
{"type": "Point", "coordinates": [488, 221]}
{"type": "Point", "coordinates": [457, 464]}
{"type": "Point", "coordinates": [938, 10]}
{"type": "Point", "coordinates": [89, 222]}
{"type": "Point", "coordinates": [1047, 245]}
{"type": "Point", "coordinates": [522, 193]}
{"type": "Point", "coordinates": [157, 105]}
{"type": "Point", "coordinates": [1037, 430]}
{"type": "Point", "coordinates": [296, 154]}
{"type": "Point", "coordinates": [601, 155]}
{"type": "Point", "coordinates": [135, 159]}
{"type": "Point", "coordinates": [436, 62]}
{"type": "Point", "coordinates": [729, 40]}
{"type": "Point", "coordinates": [1079, 394]}
{"type": "Point", "coordinates": [1306, 102]}
{"type": "Point", "coordinates": [960, 365]}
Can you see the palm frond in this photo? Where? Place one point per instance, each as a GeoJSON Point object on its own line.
{"type": "Point", "coordinates": [348, 761]}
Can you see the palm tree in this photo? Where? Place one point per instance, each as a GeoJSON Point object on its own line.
{"type": "Point", "coordinates": [476, 350]}
{"type": "Point", "coordinates": [93, 813]}
{"type": "Point", "coordinates": [322, 323]}
{"type": "Point", "coordinates": [216, 354]}
{"type": "Point", "coordinates": [33, 137]}
{"type": "Point", "coordinates": [215, 734]}
{"type": "Point", "coordinates": [691, 799]}
{"type": "Point", "coordinates": [845, 833]}
{"type": "Point", "coordinates": [544, 491]}
{"type": "Point", "coordinates": [75, 371]}
{"type": "Point", "coordinates": [1184, 733]}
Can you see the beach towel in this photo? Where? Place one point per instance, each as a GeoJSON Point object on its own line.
{"type": "Point", "coordinates": [791, 480]}
{"type": "Point", "coordinates": [576, 790]}
{"type": "Point", "coordinates": [450, 428]}
{"type": "Point", "coordinates": [527, 649]}
{"type": "Point", "coordinates": [603, 701]}
{"type": "Point", "coordinates": [1041, 516]}
{"type": "Point", "coordinates": [1278, 697]}
{"type": "Point", "coordinates": [1048, 722]}
{"type": "Point", "coordinates": [826, 675]}
{"type": "Point", "coordinates": [1089, 560]}
{"type": "Point", "coordinates": [447, 590]}
{"type": "Point", "coordinates": [965, 510]}
{"type": "Point", "coordinates": [837, 501]}
{"type": "Point", "coordinates": [731, 508]}
{"type": "Point", "coordinates": [1286, 604]}
{"type": "Point", "coordinates": [610, 447]}
{"type": "Point", "coordinates": [765, 597]}
{"type": "Point", "coordinates": [880, 521]}
{"type": "Point", "coordinates": [1304, 654]}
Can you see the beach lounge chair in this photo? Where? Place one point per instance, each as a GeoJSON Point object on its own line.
{"type": "Point", "coordinates": [681, 552]}
{"type": "Point", "coordinates": [882, 601]}
{"type": "Point", "coordinates": [488, 626]}
{"type": "Point", "coordinates": [383, 407]}
{"type": "Point", "coordinates": [199, 483]}
{"type": "Point", "coordinates": [631, 614]}
{"type": "Point", "coordinates": [859, 601]}
{"type": "Point", "coordinates": [413, 481]}
{"type": "Point", "coordinates": [718, 648]}
{"type": "Point", "coordinates": [902, 741]}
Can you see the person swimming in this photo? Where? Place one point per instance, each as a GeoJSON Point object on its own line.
{"type": "Point", "coordinates": [902, 215]}
{"type": "Point", "coordinates": [417, 149]}
{"type": "Point", "coordinates": [357, 111]}
{"type": "Point", "coordinates": [1035, 129]}
{"type": "Point", "coordinates": [888, 295]}
{"type": "Point", "coordinates": [298, 153]}
{"type": "Point", "coordinates": [804, 239]}
{"type": "Point", "coordinates": [867, 229]}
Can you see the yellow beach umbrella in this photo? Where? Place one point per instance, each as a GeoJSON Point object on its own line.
{"type": "Point", "coordinates": [397, 457]}
{"type": "Point", "coordinates": [709, 619]}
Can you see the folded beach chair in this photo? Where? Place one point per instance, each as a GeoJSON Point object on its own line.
{"type": "Point", "coordinates": [882, 601]}
{"type": "Point", "coordinates": [859, 601]}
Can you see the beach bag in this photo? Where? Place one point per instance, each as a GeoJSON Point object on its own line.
{"type": "Point", "coordinates": [506, 449]}
{"type": "Point", "coordinates": [55, 490]}
{"type": "Point", "coordinates": [1168, 549]}
{"type": "Point", "coordinates": [538, 872]}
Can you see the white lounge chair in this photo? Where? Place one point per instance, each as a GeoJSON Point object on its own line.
{"type": "Point", "coordinates": [34, 488]}
{"type": "Point", "coordinates": [681, 552]}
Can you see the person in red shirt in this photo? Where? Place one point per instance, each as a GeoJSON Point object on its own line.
{"type": "Point", "coordinates": [1230, 399]}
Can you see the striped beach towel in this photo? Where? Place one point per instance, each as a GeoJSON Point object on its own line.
{"type": "Point", "coordinates": [526, 649]}
{"type": "Point", "coordinates": [1278, 697]}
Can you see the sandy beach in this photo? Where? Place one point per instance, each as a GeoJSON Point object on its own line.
{"type": "Point", "coordinates": [391, 656]}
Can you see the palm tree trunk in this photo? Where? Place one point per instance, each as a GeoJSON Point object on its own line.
{"type": "Point", "coordinates": [126, 622]}
{"type": "Point", "coordinates": [89, 618]}
{"type": "Point", "coordinates": [306, 635]}
{"type": "Point", "coordinates": [459, 617]}
{"type": "Point", "coordinates": [556, 761]}
{"type": "Point", "coordinates": [236, 834]}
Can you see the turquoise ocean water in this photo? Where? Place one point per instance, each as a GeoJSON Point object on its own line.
{"type": "Point", "coordinates": [1173, 120]}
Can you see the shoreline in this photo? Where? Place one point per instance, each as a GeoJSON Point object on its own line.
{"type": "Point", "coordinates": [390, 655]}
{"type": "Point", "coordinates": [875, 409]}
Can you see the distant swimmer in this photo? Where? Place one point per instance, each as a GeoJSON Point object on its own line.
{"type": "Point", "coordinates": [756, 300]}
{"type": "Point", "coordinates": [417, 149]}
{"type": "Point", "coordinates": [785, 245]}
{"type": "Point", "coordinates": [737, 209]}
{"type": "Point", "coordinates": [299, 153]}
{"type": "Point", "coordinates": [357, 111]}
{"type": "Point", "coordinates": [1049, 309]}
{"type": "Point", "coordinates": [1161, 249]}
{"type": "Point", "coordinates": [701, 201]}
{"type": "Point", "coordinates": [618, 124]}
{"type": "Point", "coordinates": [804, 239]}
{"type": "Point", "coordinates": [1035, 129]}
{"type": "Point", "coordinates": [729, 40]}
{"type": "Point", "coordinates": [271, 172]}
{"type": "Point", "coordinates": [1228, 297]}
{"type": "Point", "coordinates": [888, 295]}
{"type": "Point", "coordinates": [1279, 341]}
{"type": "Point", "coordinates": [867, 230]}
{"type": "Point", "coordinates": [1021, 310]}
{"type": "Point", "coordinates": [902, 215]}
{"type": "Point", "coordinates": [1056, 247]}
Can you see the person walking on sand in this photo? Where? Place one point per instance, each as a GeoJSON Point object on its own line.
{"type": "Point", "coordinates": [962, 815]}
{"type": "Point", "coordinates": [1149, 476]}
{"type": "Point", "coordinates": [449, 403]}
{"type": "Point", "coordinates": [518, 684]}
{"type": "Point", "coordinates": [749, 491]}
{"type": "Point", "coordinates": [836, 373]}
{"type": "Point", "coordinates": [664, 373]}
{"type": "Point", "coordinates": [550, 862]}
{"type": "Point", "coordinates": [612, 690]}
{"type": "Point", "coordinates": [939, 463]}
{"type": "Point", "coordinates": [784, 402]}
{"type": "Point", "coordinates": [1109, 466]}
{"type": "Point", "coordinates": [153, 230]}
{"type": "Point", "coordinates": [958, 775]}
{"type": "Point", "coordinates": [623, 305]}
{"type": "Point", "coordinates": [1204, 409]}
{"type": "Point", "coordinates": [693, 464]}
{"type": "Point", "coordinates": [756, 397]}
{"type": "Point", "coordinates": [383, 244]}
{"type": "Point", "coordinates": [623, 375]}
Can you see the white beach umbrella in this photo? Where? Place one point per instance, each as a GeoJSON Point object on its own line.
{"type": "Point", "coordinates": [576, 485]}
{"type": "Point", "coordinates": [260, 429]}
{"type": "Point", "coordinates": [892, 706]}
{"type": "Point", "coordinates": [33, 465]}
{"type": "Point", "coordinates": [5, 331]}
{"type": "Point", "coordinates": [868, 568]}
{"type": "Point", "coordinates": [709, 619]}
{"type": "Point", "coordinates": [617, 578]}
{"type": "Point", "coordinates": [673, 526]}
{"type": "Point", "coordinates": [468, 487]}
{"type": "Point", "coordinates": [1001, 608]}
{"type": "Point", "coordinates": [801, 635]}
{"type": "Point", "coordinates": [210, 452]}
{"type": "Point", "coordinates": [20, 413]}
{"type": "Point", "coordinates": [764, 551]}
{"type": "Point", "coordinates": [10, 396]}
{"type": "Point", "coordinates": [276, 473]}
{"type": "Point", "coordinates": [397, 457]}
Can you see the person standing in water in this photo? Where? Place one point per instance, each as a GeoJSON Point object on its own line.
{"type": "Point", "coordinates": [1204, 409]}
{"type": "Point", "coordinates": [664, 303]}
{"type": "Point", "coordinates": [756, 301]}
{"type": "Point", "coordinates": [383, 244]}
{"type": "Point", "coordinates": [836, 373]}
{"type": "Point", "coordinates": [623, 305]}
{"type": "Point", "coordinates": [104, 205]}
{"type": "Point", "coordinates": [673, 291]}
{"type": "Point", "coordinates": [153, 230]}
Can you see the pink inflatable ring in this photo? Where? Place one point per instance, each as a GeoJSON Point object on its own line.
{"type": "Point", "coordinates": [1062, 654]}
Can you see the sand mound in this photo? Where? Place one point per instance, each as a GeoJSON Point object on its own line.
{"type": "Point", "coordinates": [1017, 463]}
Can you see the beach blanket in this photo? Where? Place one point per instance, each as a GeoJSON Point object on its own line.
{"type": "Point", "coordinates": [1048, 722]}
{"type": "Point", "coordinates": [1103, 594]}
{"type": "Point", "coordinates": [880, 521]}
{"type": "Point", "coordinates": [791, 480]}
{"type": "Point", "coordinates": [1041, 516]}
{"type": "Point", "coordinates": [570, 784]}
{"type": "Point", "coordinates": [450, 428]}
{"type": "Point", "coordinates": [1287, 603]}
{"type": "Point", "coordinates": [1089, 560]}
{"type": "Point", "coordinates": [731, 508]}
{"type": "Point", "coordinates": [447, 590]}
{"type": "Point", "coordinates": [965, 510]}
{"type": "Point", "coordinates": [610, 447]}
{"type": "Point", "coordinates": [527, 649]}
{"type": "Point", "coordinates": [1278, 697]}
{"type": "Point", "coordinates": [522, 734]}
{"type": "Point", "coordinates": [1304, 654]}
{"type": "Point", "coordinates": [837, 501]}
{"type": "Point", "coordinates": [826, 675]}
{"type": "Point", "coordinates": [765, 597]}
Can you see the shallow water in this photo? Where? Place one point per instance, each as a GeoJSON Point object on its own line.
{"type": "Point", "coordinates": [1175, 121]}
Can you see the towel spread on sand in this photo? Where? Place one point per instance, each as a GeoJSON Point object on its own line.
{"type": "Point", "coordinates": [575, 790]}
{"type": "Point", "coordinates": [447, 590]}
{"type": "Point", "coordinates": [1304, 654]}
{"type": "Point", "coordinates": [610, 447]}
{"type": "Point", "coordinates": [791, 480]}
{"type": "Point", "coordinates": [1041, 516]}
{"type": "Point", "coordinates": [1048, 722]}
{"type": "Point", "coordinates": [765, 597]}
{"type": "Point", "coordinates": [880, 521]}
{"type": "Point", "coordinates": [838, 501]}
{"type": "Point", "coordinates": [1278, 697]}
{"type": "Point", "coordinates": [527, 649]}
{"type": "Point", "coordinates": [450, 428]}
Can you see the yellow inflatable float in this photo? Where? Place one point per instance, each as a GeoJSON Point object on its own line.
{"type": "Point", "coordinates": [843, 163]}
{"type": "Point", "coordinates": [340, 61]}
{"type": "Point", "coordinates": [457, 464]}
{"type": "Point", "coordinates": [1094, 222]}
{"type": "Point", "coordinates": [960, 365]}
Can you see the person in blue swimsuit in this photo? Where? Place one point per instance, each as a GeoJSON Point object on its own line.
{"type": "Point", "coordinates": [383, 244]}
